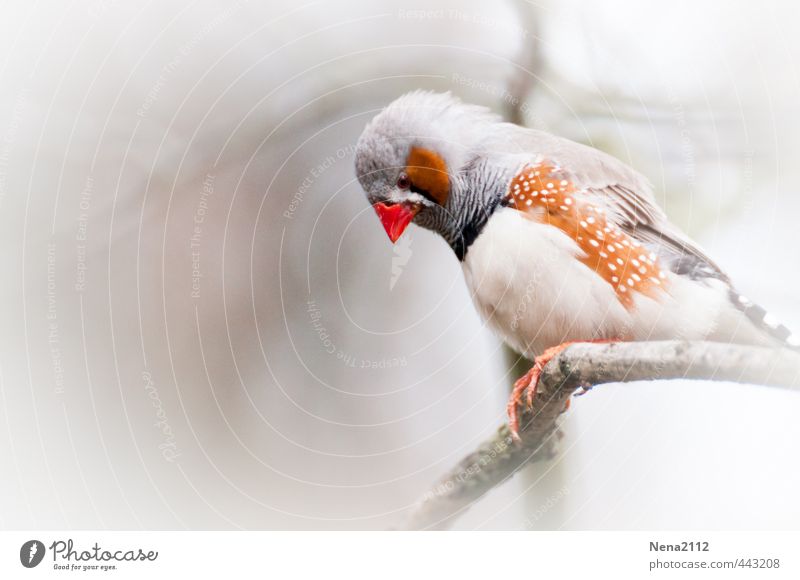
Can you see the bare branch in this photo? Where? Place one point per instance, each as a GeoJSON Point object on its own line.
{"type": "Point", "coordinates": [581, 366]}
{"type": "Point", "coordinates": [530, 63]}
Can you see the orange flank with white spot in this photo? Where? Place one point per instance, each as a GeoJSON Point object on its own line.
{"type": "Point", "coordinates": [542, 193]}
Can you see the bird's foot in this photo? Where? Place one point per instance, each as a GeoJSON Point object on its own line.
{"type": "Point", "coordinates": [527, 384]}
{"type": "Point", "coordinates": [526, 387]}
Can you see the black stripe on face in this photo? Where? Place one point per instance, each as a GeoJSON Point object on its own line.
{"type": "Point", "coordinates": [423, 193]}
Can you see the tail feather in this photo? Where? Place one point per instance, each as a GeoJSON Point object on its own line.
{"type": "Point", "coordinates": [765, 321]}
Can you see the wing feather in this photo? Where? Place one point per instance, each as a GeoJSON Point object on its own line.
{"type": "Point", "coordinates": [628, 198]}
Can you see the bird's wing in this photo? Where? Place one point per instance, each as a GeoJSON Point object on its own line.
{"type": "Point", "coordinates": [625, 195]}
{"type": "Point", "coordinates": [609, 210]}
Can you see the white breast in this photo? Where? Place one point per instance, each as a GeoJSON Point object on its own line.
{"type": "Point", "coordinates": [527, 284]}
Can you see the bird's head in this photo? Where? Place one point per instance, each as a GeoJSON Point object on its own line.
{"type": "Point", "coordinates": [411, 157]}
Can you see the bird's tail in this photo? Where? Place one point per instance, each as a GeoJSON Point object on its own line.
{"type": "Point", "coordinates": [765, 322]}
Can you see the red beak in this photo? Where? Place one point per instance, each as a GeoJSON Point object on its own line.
{"type": "Point", "coordinates": [395, 217]}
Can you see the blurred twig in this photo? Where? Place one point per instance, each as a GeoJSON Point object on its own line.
{"type": "Point", "coordinates": [580, 366]}
{"type": "Point", "coordinates": [530, 65]}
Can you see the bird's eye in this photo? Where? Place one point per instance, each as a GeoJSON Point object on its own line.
{"type": "Point", "coordinates": [403, 182]}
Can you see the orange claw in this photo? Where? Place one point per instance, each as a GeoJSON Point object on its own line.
{"type": "Point", "coordinates": [528, 383]}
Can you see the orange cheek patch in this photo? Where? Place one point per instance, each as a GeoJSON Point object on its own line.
{"type": "Point", "coordinates": [540, 191]}
{"type": "Point", "coordinates": [428, 172]}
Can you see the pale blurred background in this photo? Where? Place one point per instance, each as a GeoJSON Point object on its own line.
{"type": "Point", "coordinates": [204, 325]}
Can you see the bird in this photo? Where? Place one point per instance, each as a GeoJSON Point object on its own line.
{"type": "Point", "coordinates": [559, 242]}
